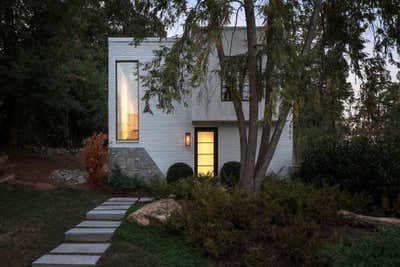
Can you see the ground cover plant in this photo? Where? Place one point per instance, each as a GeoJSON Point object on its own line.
{"type": "Point", "coordinates": [34, 222]}
{"type": "Point", "coordinates": [288, 224]}
{"type": "Point", "coordinates": [381, 249]}
{"type": "Point", "coordinates": [120, 180]}
{"type": "Point", "coordinates": [136, 245]}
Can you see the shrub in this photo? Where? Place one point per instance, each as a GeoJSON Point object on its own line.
{"type": "Point", "coordinates": [230, 173]}
{"type": "Point", "coordinates": [158, 188]}
{"type": "Point", "coordinates": [356, 165]}
{"type": "Point", "coordinates": [177, 171]}
{"type": "Point", "coordinates": [118, 179]}
{"type": "Point", "coordinates": [95, 157]}
{"type": "Point", "coordinates": [381, 249]}
{"type": "Point", "coordinates": [287, 219]}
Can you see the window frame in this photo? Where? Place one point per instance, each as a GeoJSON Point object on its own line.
{"type": "Point", "coordinates": [241, 92]}
{"type": "Point", "coordinates": [246, 80]}
{"type": "Point", "coordinates": [116, 101]}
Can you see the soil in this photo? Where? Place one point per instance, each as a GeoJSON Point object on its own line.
{"type": "Point", "coordinates": [37, 166]}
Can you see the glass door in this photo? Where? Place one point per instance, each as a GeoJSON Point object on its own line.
{"type": "Point", "coordinates": [206, 151]}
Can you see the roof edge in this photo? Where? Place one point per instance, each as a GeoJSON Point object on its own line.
{"type": "Point", "coordinates": [146, 40]}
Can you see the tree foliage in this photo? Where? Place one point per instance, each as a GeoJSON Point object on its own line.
{"type": "Point", "coordinates": [310, 49]}
{"type": "Point", "coordinates": [53, 62]}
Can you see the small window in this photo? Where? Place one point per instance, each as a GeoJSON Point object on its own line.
{"type": "Point", "coordinates": [244, 91]}
{"type": "Point", "coordinates": [127, 100]}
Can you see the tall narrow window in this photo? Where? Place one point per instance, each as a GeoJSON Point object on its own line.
{"type": "Point", "coordinates": [127, 101]}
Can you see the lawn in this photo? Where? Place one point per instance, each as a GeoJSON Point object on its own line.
{"type": "Point", "coordinates": [34, 222]}
{"type": "Point", "coordinates": [136, 245]}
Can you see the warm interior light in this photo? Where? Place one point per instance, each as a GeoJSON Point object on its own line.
{"type": "Point", "coordinates": [188, 139]}
{"type": "Point", "coordinates": [205, 153]}
{"type": "Point", "coordinates": [127, 102]}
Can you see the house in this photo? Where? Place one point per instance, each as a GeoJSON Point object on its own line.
{"type": "Point", "coordinates": [202, 134]}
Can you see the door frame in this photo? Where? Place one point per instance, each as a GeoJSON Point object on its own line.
{"type": "Point", "coordinates": [207, 129]}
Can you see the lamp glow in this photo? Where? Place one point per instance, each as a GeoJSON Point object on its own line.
{"type": "Point", "coordinates": [188, 139]}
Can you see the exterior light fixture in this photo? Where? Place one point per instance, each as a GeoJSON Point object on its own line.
{"type": "Point", "coordinates": [188, 139]}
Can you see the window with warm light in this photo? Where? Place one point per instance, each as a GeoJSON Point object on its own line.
{"type": "Point", "coordinates": [127, 101]}
{"type": "Point", "coordinates": [205, 152]}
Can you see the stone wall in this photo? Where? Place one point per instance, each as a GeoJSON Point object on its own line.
{"type": "Point", "coordinates": [134, 161]}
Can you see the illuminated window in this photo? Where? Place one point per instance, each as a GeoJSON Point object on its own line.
{"type": "Point", "coordinates": [205, 152]}
{"type": "Point", "coordinates": [127, 101]}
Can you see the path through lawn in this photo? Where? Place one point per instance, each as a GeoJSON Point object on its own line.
{"type": "Point", "coordinates": [135, 245]}
{"type": "Point", "coordinates": [34, 222]}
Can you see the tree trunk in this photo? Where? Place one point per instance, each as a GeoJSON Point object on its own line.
{"type": "Point", "coordinates": [267, 149]}
{"type": "Point", "coordinates": [237, 104]}
{"type": "Point", "coordinates": [248, 176]}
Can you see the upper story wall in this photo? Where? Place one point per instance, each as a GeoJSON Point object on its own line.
{"type": "Point", "coordinates": [205, 102]}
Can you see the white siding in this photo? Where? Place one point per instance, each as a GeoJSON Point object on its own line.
{"type": "Point", "coordinates": [229, 148]}
{"type": "Point", "coordinates": [162, 135]}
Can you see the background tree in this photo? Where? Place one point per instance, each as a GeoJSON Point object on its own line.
{"type": "Point", "coordinates": [53, 65]}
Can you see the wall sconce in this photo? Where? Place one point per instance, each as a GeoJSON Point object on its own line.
{"type": "Point", "coordinates": [188, 139]}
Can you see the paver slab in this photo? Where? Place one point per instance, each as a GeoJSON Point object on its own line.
{"type": "Point", "coordinates": [146, 199]}
{"type": "Point", "coordinates": [114, 203]}
{"type": "Point", "coordinates": [123, 199]}
{"type": "Point", "coordinates": [66, 261]}
{"type": "Point", "coordinates": [113, 207]}
{"type": "Point", "coordinates": [99, 224]}
{"type": "Point", "coordinates": [89, 234]}
{"type": "Point", "coordinates": [81, 248]}
{"type": "Point", "coordinates": [110, 215]}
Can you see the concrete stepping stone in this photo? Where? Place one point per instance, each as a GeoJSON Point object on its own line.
{"type": "Point", "coordinates": [114, 203]}
{"type": "Point", "coordinates": [89, 234]}
{"type": "Point", "coordinates": [81, 248]}
{"type": "Point", "coordinates": [99, 224]}
{"type": "Point", "coordinates": [146, 199]}
{"type": "Point", "coordinates": [110, 215]}
{"type": "Point", "coordinates": [113, 207]}
{"type": "Point", "coordinates": [66, 260]}
{"type": "Point", "coordinates": [123, 199]}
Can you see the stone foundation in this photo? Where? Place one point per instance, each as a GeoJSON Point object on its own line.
{"type": "Point", "coordinates": [134, 161]}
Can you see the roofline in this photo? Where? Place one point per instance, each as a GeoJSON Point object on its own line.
{"type": "Point", "coordinates": [146, 40]}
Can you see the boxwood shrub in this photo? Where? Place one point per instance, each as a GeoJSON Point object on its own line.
{"type": "Point", "coordinates": [177, 171]}
{"type": "Point", "coordinates": [230, 173]}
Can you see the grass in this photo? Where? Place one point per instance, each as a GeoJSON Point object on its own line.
{"type": "Point", "coordinates": [33, 222]}
{"type": "Point", "coordinates": [136, 245]}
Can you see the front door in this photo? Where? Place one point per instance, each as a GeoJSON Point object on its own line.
{"type": "Point", "coordinates": [206, 151]}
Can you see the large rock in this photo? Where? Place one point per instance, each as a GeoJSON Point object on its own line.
{"type": "Point", "coordinates": [159, 211]}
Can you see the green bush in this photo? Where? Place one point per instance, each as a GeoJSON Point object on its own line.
{"type": "Point", "coordinates": [230, 173]}
{"type": "Point", "coordinates": [177, 171]}
{"type": "Point", "coordinates": [118, 179]}
{"type": "Point", "coordinates": [356, 165]}
{"type": "Point", "coordinates": [287, 219]}
{"type": "Point", "coordinates": [158, 188]}
{"type": "Point", "coordinates": [381, 249]}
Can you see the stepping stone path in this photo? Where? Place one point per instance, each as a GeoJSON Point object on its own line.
{"type": "Point", "coordinates": [90, 239]}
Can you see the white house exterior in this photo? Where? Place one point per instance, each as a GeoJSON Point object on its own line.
{"type": "Point", "coordinates": [147, 145]}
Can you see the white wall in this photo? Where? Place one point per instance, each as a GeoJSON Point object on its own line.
{"type": "Point", "coordinates": [229, 148]}
{"type": "Point", "coordinates": [162, 135]}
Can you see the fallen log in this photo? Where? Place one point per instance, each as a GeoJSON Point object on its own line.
{"type": "Point", "coordinates": [369, 221]}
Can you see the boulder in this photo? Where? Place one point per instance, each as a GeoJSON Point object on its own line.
{"type": "Point", "coordinates": [158, 211]}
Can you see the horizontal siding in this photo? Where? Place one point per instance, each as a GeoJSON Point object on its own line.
{"type": "Point", "coordinates": [162, 135]}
